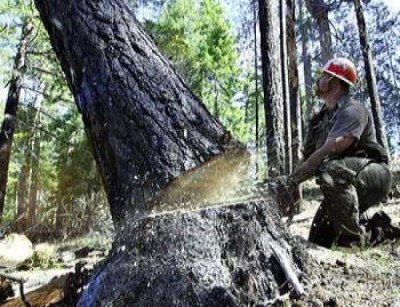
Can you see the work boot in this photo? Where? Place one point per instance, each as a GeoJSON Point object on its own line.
{"type": "Point", "coordinates": [381, 228]}
{"type": "Point", "coordinates": [361, 240]}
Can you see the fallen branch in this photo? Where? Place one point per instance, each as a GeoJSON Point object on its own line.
{"type": "Point", "coordinates": [290, 274]}
{"type": "Point", "coordinates": [21, 287]}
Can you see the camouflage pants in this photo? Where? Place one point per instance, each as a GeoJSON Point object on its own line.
{"type": "Point", "coordinates": [350, 186]}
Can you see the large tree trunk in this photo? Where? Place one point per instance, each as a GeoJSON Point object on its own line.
{"type": "Point", "coordinates": [319, 11]}
{"type": "Point", "coordinates": [10, 113]}
{"type": "Point", "coordinates": [146, 128]}
{"type": "Point", "coordinates": [370, 76]}
{"type": "Point", "coordinates": [272, 83]}
{"type": "Point", "coordinates": [144, 125]}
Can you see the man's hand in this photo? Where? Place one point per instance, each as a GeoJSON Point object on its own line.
{"type": "Point", "coordinates": [286, 193]}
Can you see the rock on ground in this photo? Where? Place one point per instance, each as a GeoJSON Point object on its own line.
{"type": "Point", "coordinates": [14, 249]}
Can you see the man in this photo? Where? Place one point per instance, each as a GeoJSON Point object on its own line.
{"type": "Point", "coordinates": [341, 150]}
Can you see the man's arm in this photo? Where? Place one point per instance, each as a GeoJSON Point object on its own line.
{"type": "Point", "coordinates": [332, 145]}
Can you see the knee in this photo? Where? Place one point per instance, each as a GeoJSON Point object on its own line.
{"type": "Point", "coordinates": [329, 181]}
{"type": "Point", "coordinates": [325, 181]}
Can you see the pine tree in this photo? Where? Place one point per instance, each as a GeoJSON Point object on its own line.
{"type": "Point", "coordinates": [272, 84]}
{"type": "Point", "coordinates": [370, 75]}
{"type": "Point", "coordinates": [13, 100]}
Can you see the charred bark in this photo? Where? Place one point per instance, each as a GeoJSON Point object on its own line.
{"type": "Point", "coordinates": [212, 257]}
{"type": "Point", "coordinates": [10, 113]}
{"type": "Point", "coordinates": [272, 83]}
{"type": "Point", "coordinates": [370, 76]}
{"type": "Point", "coordinates": [143, 123]}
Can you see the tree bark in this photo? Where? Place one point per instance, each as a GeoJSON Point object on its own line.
{"type": "Point", "coordinates": [319, 11]}
{"type": "Point", "coordinates": [272, 83]}
{"type": "Point", "coordinates": [285, 86]}
{"type": "Point", "coordinates": [143, 123]}
{"type": "Point", "coordinates": [212, 257]}
{"type": "Point", "coordinates": [295, 106]}
{"type": "Point", "coordinates": [35, 177]}
{"type": "Point", "coordinates": [370, 76]}
{"type": "Point", "coordinates": [21, 217]}
{"type": "Point", "coordinates": [256, 71]}
{"type": "Point", "coordinates": [10, 113]}
{"type": "Point", "coordinates": [305, 34]}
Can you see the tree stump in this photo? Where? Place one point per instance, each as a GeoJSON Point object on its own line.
{"type": "Point", "coordinates": [221, 256]}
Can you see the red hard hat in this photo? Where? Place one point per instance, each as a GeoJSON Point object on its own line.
{"type": "Point", "coordinates": [343, 69]}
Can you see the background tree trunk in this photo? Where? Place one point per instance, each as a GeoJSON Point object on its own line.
{"type": "Point", "coordinates": [35, 176]}
{"type": "Point", "coordinates": [256, 70]}
{"type": "Point", "coordinates": [144, 125]}
{"type": "Point", "coordinates": [295, 107]}
{"type": "Point", "coordinates": [10, 113]}
{"type": "Point", "coordinates": [272, 83]}
{"type": "Point", "coordinates": [21, 217]}
{"type": "Point", "coordinates": [319, 11]}
{"type": "Point", "coordinates": [370, 76]}
{"type": "Point", "coordinates": [285, 86]}
{"type": "Point", "coordinates": [305, 27]}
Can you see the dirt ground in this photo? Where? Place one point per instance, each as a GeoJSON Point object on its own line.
{"type": "Point", "coordinates": [350, 277]}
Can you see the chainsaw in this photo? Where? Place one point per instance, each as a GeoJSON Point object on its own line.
{"type": "Point", "coordinates": [286, 195]}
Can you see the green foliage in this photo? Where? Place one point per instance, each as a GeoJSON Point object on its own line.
{"type": "Point", "coordinates": [67, 173]}
{"type": "Point", "coordinates": [195, 36]}
{"type": "Point", "coordinates": [43, 257]}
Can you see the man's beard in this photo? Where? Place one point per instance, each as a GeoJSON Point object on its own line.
{"type": "Point", "coordinates": [317, 91]}
{"type": "Point", "coordinates": [320, 93]}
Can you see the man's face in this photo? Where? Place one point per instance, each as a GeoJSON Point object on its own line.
{"type": "Point", "coordinates": [325, 84]}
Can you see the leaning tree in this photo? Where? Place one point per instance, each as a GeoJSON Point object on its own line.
{"type": "Point", "coordinates": [146, 128]}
